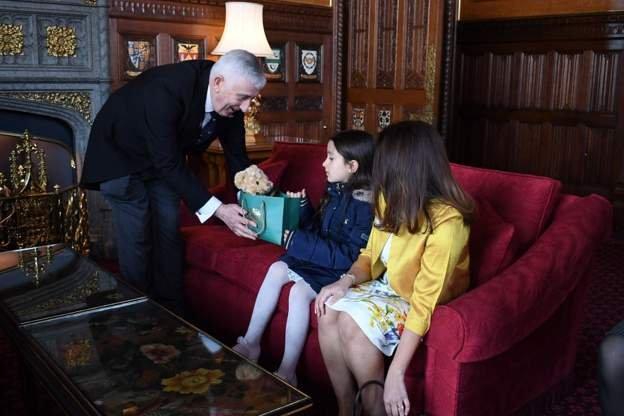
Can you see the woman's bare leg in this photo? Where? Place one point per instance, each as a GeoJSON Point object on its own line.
{"type": "Point", "coordinates": [334, 357]}
{"type": "Point", "coordinates": [365, 361]}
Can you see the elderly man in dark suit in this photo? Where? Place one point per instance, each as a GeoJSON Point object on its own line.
{"type": "Point", "coordinates": [136, 158]}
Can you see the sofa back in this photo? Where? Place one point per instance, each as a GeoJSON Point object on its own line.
{"type": "Point", "coordinates": [526, 201]}
{"type": "Point", "coordinates": [304, 168]}
{"type": "Point", "coordinates": [513, 209]}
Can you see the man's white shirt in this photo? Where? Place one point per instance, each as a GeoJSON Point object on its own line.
{"type": "Point", "coordinates": [209, 208]}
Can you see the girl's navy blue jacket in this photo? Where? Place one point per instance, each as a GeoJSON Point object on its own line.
{"type": "Point", "coordinates": [325, 246]}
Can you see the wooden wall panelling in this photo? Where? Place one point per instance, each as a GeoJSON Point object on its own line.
{"type": "Point", "coordinates": [504, 9]}
{"type": "Point", "coordinates": [163, 34]}
{"type": "Point", "coordinates": [339, 63]}
{"type": "Point", "coordinates": [395, 51]}
{"type": "Point", "coordinates": [285, 104]}
{"type": "Point", "coordinates": [303, 107]}
{"type": "Point", "coordinates": [550, 107]}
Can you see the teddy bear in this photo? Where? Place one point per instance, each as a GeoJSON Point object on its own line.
{"type": "Point", "coordinates": [253, 180]}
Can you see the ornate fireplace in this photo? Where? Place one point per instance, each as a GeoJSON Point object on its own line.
{"type": "Point", "coordinates": [54, 77]}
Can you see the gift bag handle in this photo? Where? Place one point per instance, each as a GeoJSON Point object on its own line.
{"type": "Point", "coordinates": [262, 210]}
{"type": "Point", "coordinates": [357, 406]}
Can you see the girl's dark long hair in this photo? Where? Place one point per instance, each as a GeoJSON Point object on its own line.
{"type": "Point", "coordinates": [359, 146]}
{"type": "Point", "coordinates": [410, 169]}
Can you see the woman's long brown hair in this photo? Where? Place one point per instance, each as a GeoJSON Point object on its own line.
{"type": "Point", "coordinates": [410, 169]}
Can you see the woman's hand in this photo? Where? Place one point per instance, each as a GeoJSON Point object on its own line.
{"type": "Point", "coordinates": [334, 291]}
{"type": "Point", "coordinates": [300, 194]}
{"type": "Point", "coordinates": [395, 394]}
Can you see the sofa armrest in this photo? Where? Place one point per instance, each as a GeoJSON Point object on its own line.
{"type": "Point", "coordinates": [493, 317]}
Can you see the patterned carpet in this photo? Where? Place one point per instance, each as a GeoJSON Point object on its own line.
{"type": "Point", "coordinates": [605, 309]}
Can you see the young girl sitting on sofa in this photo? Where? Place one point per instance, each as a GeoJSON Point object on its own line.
{"type": "Point", "coordinates": [320, 251]}
{"type": "Point", "coordinates": [416, 258]}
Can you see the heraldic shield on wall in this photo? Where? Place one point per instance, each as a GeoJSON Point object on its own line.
{"type": "Point", "coordinates": [309, 63]}
{"type": "Point", "coordinates": [274, 67]}
{"type": "Point", "coordinates": [187, 49]}
{"type": "Point", "coordinates": [141, 55]}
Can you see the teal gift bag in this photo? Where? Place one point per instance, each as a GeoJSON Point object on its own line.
{"type": "Point", "coordinates": [272, 214]}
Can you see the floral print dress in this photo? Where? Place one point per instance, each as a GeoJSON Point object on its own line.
{"type": "Point", "coordinates": [377, 309]}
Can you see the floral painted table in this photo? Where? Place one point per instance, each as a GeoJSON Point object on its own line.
{"type": "Point", "coordinates": [131, 356]}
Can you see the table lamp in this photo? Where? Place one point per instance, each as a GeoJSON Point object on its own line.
{"type": "Point", "coordinates": [244, 29]}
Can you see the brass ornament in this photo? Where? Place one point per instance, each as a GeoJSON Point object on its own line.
{"type": "Point", "coordinates": [24, 161]}
{"type": "Point", "coordinates": [11, 39]}
{"type": "Point", "coordinates": [77, 101]}
{"type": "Point", "coordinates": [252, 125]}
{"type": "Point", "coordinates": [61, 41]}
{"type": "Point", "coordinates": [75, 220]}
{"type": "Point", "coordinates": [30, 214]}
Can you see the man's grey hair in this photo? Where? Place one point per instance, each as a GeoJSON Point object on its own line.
{"type": "Point", "coordinates": [239, 63]}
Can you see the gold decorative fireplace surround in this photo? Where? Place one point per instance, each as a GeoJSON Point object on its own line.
{"type": "Point", "coordinates": [54, 77]}
{"type": "Point", "coordinates": [40, 202]}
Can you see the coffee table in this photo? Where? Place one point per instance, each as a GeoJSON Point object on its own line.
{"type": "Point", "coordinates": [102, 348]}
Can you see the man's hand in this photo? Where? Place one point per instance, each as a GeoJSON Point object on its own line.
{"type": "Point", "coordinates": [234, 217]}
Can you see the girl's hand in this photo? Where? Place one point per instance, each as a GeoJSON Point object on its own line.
{"type": "Point", "coordinates": [334, 291]}
{"type": "Point", "coordinates": [300, 194]}
{"type": "Point", "coordinates": [395, 394]}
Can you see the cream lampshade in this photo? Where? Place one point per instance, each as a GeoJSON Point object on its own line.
{"type": "Point", "coordinates": [243, 30]}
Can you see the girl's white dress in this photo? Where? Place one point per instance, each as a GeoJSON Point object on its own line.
{"type": "Point", "coordinates": [377, 309]}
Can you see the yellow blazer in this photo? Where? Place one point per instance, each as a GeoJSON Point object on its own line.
{"type": "Point", "coordinates": [426, 268]}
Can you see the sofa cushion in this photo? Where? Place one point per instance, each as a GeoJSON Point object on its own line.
{"type": "Point", "coordinates": [246, 266]}
{"type": "Point", "coordinates": [275, 171]}
{"type": "Point", "coordinates": [204, 244]}
{"type": "Point", "coordinates": [526, 201]}
{"type": "Point", "coordinates": [492, 244]}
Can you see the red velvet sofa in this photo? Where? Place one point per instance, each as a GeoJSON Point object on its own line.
{"type": "Point", "coordinates": [511, 339]}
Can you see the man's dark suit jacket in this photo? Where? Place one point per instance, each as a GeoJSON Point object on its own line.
{"type": "Point", "coordinates": [149, 126]}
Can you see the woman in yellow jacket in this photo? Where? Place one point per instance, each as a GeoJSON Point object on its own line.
{"type": "Point", "coordinates": [416, 258]}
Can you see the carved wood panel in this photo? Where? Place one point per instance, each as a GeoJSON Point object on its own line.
{"type": "Point", "coordinates": [553, 107]}
{"type": "Point", "coordinates": [359, 23]}
{"type": "Point", "coordinates": [387, 35]}
{"type": "Point", "coordinates": [286, 100]}
{"type": "Point", "coordinates": [417, 20]}
{"type": "Point", "coordinates": [397, 54]}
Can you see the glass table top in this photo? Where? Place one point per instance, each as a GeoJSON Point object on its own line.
{"type": "Point", "coordinates": [140, 359]}
{"type": "Point", "coordinates": [47, 281]}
